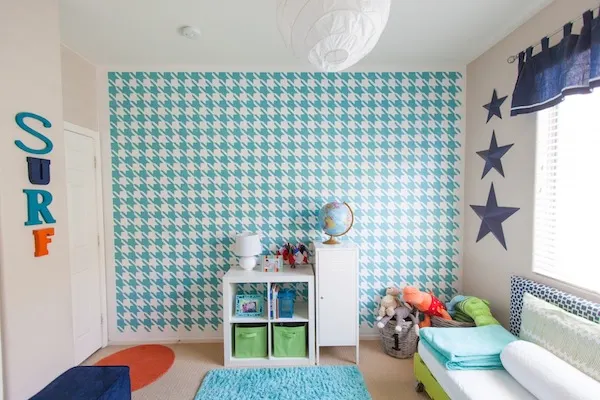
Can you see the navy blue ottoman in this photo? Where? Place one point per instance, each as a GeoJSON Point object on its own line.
{"type": "Point", "coordinates": [89, 383]}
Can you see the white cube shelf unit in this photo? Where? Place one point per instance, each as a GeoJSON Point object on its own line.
{"type": "Point", "coordinates": [303, 312]}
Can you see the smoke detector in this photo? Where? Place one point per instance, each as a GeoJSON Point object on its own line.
{"type": "Point", "coordinates": [190, 32]}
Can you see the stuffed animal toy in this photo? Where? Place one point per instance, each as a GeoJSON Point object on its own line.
{"type": "Point", "coordinates": [293, 255]}
{"type": "Point", "coordinates": [389, 302]}
{"type": "Point", "coordinates": [304, 250]}
{"type": "Point", "coordinates": [297, 257]}
{"type": "Point", "coordinates": [287, 252]}
{"type": "Point", "coordinates": [401, 312]}
{"type": "Point", "coordinates": [427, 303]}
{"type": "Point", "coordinates": [479, 310]}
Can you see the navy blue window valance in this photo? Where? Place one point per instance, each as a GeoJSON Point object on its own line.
{"type": "Point", "coordinates": [570, 67]}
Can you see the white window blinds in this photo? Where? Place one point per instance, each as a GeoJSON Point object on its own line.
{"type": "Point", "coordinates": [567, 197]}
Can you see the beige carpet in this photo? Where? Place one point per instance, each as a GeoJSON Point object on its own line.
{"type": "Point", "coordinates": [386, 377]}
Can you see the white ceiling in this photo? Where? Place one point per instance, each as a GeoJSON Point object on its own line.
{"type": "Point", "coordinates": [243, 35]}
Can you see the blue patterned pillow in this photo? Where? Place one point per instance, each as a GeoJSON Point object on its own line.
{"type": "Point", "coordinates": [568, 302]}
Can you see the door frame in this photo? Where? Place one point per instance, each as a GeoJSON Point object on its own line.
{"type": "Point", "coordinates": [95, 136]}
{"type": "Point", "coordinates": [2, 380]}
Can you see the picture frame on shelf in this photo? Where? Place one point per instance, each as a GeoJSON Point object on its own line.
{"type": "Point", "coordinates": [272, 263]}
{"type": "Point", "coordinates": [249, 305]}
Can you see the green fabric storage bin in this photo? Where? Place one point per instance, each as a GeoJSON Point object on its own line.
{"type": "Point", "coordinates": [289, 340]}
{"type": "Point", "coordinates": [250, 341]}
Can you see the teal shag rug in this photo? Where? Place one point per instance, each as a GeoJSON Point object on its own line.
{"type": "Point", "coordinates": [306, 383]}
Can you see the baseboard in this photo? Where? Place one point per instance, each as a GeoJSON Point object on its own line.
{"type": "Point", "coordinates": [189, 340]}
{"type": "Point", "coordinates": [134, 342]}
{"type": "Point", "coordinates": [369, 336]}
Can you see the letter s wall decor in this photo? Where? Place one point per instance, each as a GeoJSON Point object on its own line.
{"type": "Point", "coordinates": [48, 146]}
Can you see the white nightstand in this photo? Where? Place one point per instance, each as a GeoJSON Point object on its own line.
{"type": "Point", "coordinates": [336, 268]}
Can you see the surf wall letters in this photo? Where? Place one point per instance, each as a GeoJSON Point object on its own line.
{"type": "Point", "coordinates": [38, 200]}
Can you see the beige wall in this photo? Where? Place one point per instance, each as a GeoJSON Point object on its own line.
{"type": "Point", "coordinates": [487, 266]}
{"type": "Point", "coordinates": [36, 312]}
{"type": "Point", "coordinates": [79, 90]}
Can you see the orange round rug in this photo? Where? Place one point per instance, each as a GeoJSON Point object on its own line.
{"type": "Point", "coordinates": [146, 363]}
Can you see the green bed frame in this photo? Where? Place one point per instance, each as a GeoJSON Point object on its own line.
{"type": "Point", "coordinates": [426, 382]}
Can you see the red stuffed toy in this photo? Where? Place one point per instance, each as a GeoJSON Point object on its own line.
{"type": "Point", "coordinates": [427, 303]}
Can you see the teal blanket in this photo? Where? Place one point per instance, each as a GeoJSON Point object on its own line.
{"type": "Point", "coordinates": [467, 348]}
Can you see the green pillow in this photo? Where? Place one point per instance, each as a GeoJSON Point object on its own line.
{"type": "Point", "coordinates": [574, 339]}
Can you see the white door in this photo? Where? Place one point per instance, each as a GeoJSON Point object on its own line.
{"type": "Point", "coordinates": [84, 243]}
{"type": "Point", "coordinates": [338, 310]}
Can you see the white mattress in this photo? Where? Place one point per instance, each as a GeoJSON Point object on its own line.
{"type": "Point", "coordinates": [474, 385]}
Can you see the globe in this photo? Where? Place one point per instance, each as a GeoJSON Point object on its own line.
{"type": "Point", "coordinates": [336, 219]}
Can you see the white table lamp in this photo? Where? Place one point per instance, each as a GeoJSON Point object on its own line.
{"type": "Point", "coordinates": [247, 247]}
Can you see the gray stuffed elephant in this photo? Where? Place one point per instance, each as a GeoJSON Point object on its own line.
{"type": "Point", "coordinates": [401, 312]}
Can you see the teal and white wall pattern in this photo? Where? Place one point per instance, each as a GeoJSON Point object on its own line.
{"type": "Point", "coordinates": [197, 157]}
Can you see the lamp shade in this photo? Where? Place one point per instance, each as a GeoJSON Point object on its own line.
{"type": "Point", "coordinates": [247, 245]}
{"type": "Point", "coordinates": [332, 34]}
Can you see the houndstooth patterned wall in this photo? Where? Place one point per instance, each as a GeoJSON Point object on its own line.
{"type": "Point", "coordinates": [197, 157]}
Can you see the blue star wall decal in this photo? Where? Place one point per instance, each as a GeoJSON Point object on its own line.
{"type": "Point", "coordinates": [492, 218]}
{"type": "Point", "coordinates": [493, 106]}
{"type": "Point", "coordinates": [493, 156]}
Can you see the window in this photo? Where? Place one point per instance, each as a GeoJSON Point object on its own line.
{"type": "Point", "coordinates": [567, 201]}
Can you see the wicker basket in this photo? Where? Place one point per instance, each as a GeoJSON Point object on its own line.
{"type": "Point", "coordinates": [399, 345]}
{"type": "Point", "coordinates": [438, 322]}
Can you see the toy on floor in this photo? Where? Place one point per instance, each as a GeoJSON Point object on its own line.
{"type": "Point", "coordinates": [427, 303]}
{"type": "Point", "coordinates": [392, 306]}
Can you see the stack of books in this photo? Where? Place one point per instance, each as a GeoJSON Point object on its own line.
{"type": "Point", "coordinates": [273, 302]}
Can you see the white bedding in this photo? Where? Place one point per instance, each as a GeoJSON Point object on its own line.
{"type": "Point", "coordinates": [475, 385]}
{"type": "Point", "coordinates": [547, 376]}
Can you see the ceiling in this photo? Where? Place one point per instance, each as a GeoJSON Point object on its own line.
{"type": "Point", "coordinates": [243, 34]}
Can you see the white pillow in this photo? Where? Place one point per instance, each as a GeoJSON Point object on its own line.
{"type": "Point", "coordinates": [545, 375]}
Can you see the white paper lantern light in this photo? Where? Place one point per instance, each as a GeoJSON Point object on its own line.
{"type": "Point", "coordinates": [332, 34]}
